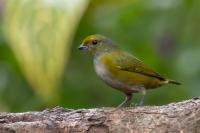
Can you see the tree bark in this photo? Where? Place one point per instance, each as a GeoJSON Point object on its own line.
{"type": "Point", "coordinates": [182, 117]}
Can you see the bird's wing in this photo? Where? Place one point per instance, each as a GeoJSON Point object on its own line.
{"type": "Point", "coordinates": [127, 62]}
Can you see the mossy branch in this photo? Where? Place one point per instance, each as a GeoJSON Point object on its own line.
{"type": "Point", "coordinates": [181, 117]}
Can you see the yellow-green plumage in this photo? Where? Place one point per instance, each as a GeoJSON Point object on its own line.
{"type": "Point", "coordinates": [129, 70]}
{"type": "Point", "coordinates": [120, 69]}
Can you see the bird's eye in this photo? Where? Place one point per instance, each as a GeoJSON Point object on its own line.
{"type": "Point", "coordinates": [94, 42]}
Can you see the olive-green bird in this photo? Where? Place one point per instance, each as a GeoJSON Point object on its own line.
{"type": "Point", "coordinates": [121, 70]}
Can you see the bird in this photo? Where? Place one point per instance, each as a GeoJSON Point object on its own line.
{"type": "Point", "coordinates": [122, 70]}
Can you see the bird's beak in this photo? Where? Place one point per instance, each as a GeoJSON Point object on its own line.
{"type": "Point", "coordinates": [82, 47]}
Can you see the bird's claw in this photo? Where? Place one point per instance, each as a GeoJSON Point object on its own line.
{"type": "Point", "coordinates": [136, 104]}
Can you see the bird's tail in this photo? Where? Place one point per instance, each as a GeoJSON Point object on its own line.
{"type": "Point", "coordinates": [172, 82]}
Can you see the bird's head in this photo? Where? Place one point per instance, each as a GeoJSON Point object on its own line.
{"type": "Point", "coordinates": [96, 44]}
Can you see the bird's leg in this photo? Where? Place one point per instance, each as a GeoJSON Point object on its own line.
{"type": "Point", "coordinates": [143, 92]}
{"type": "Point", "coordinates": [126, 101]}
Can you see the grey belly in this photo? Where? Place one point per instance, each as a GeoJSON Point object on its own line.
{"type": "Point", "coordinates": [118, 84]}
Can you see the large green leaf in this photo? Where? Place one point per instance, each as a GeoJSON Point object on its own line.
{"type": "Point", "coordinates": [40, 33]}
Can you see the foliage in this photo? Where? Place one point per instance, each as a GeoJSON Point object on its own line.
{"type": "Point", "coordinates": [164, 34]}
{"type": "Point", "coordinates": [40, 35]}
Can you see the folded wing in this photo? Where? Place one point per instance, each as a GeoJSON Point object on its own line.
{"type": "Point", "coordinates": [127, 62]}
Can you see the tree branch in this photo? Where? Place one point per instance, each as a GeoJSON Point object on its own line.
{"type": "Point", "coordinates": [182, 117]}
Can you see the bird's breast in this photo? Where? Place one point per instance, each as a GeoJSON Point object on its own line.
{"type": "Point", "coordinates": [107, 76]}
{"type": "Point", "coordinates": [101, 69]}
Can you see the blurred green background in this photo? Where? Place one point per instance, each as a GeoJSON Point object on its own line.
{"type": "Point", "coordinates": [41, 67]}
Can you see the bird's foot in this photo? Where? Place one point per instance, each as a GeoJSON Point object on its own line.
{"type": "Point", "coordinates": [136, 104]}
{"type": "Point", "coordinates": [133, 104]}
{"type": "Point", "coordinates": [141, 103]}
